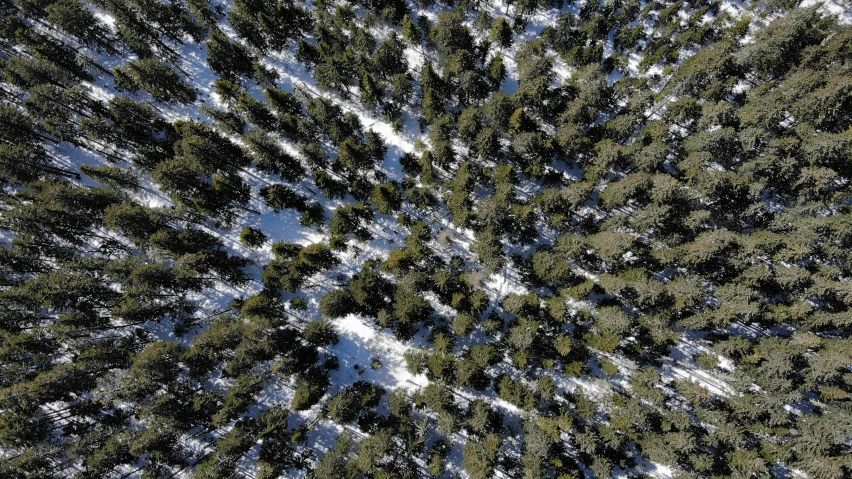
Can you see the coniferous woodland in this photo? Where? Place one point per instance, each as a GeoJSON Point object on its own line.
{"type": "Point", "coordinates": [538, 239]}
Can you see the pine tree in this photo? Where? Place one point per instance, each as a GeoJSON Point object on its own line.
{"type": "Point", "coordinates": [336, 462]}
{"type": "Point", "coordinates": [277, 453]}
{"type": "Point", "coordinates": [410, 32]}
{"type": "Point", "coordinates": [256, 112]}
{"type": "Point", "coordinates": [389, 60]}
{"type": "Point", "coordinates": [352, 219]}
{"type": "Point", "coordinates": [409, 308]}
{"type": "Point", "coordinates": [148, 74]}
{"type": "Point", "coordinates": [229, 59]}
{"type": "Point", "coordinates": [152, 369]}
{"type": "Point", "coordinates": [22, 157]}
{"type": "Point", "coordinates": [56, 110]}
{"type": "Point", "coordinates": [470, 124]}
{"type": "Point", "coordinates": [336, 303]}
{"type": "Point", "coordinates": [371, 93]}
{"type": "Point", "coordinates": [252, 237]}
{"type": "Point", "coordinates": [480, 457]}
{"type": "Point", "coordinates": [73, 17]}
{"type": "Point", "coordinates": [54, 209]}
{"type": "Point", "coordinates": [134, 126]}
{"type": "Point", "coordinates": [402, 88]}
{"type": "Point", "coordinates": [271, 158]}
{"type": "Point", "coordinates": [501, 33]}
{"type": "Point", "coordinates": [387, 197]}
{"type": "Point", "coordinates": [320, 333]}
{"type": "Point", "coordinates": [28, 72]}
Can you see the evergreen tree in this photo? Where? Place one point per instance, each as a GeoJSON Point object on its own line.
{"type": "Point", "coordinates": [252, 237]}
{"type": "Point", "coordinates": [371, 93]}
{"type": "Point", "coordinates": [336, 462]}
{"type": "Point", "coordinates": [387, 198]}
{"type": "Point", "coordinates": [480, 457]}
{"type": "Point", "coordinates": [74, 18]}
{"type": "Point", "coordinates": [501, 33]}
{"type": "Point", "coordinates": [271, 158]}
{"type": "Point", "coordinates": [229, 59]}
{"type": "Point", "coordinates": [410, 32]}
{"type": "Point", "coordinates": [352, 219]}
{"type": "Point", "coordinates": [148, 74]}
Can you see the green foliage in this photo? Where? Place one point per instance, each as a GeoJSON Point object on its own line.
{"type": "Point", "coordinates": [229, 59]}
{"type": "Point", "coordinates": [320, 333]}
{"type": "Point", "coordinates": [156, 78]}
{"type": "Point", "coordinates": [252, 237]}
{"type": "Point", "coordinates": [308, 392]}
{"type": "Point", "coordinates": [121, 179]}
{"type": "Point", "coordinates": [370, 290]}
{"type": "Point", "coordinates": [240, 395]}
{"type": "Point", "coordinates": [281, 197]}
{"type": "Point", "coordinates": [336, 303]}
{"type": "Point", "coordinates": [268, 25]}
{"type": "Point", "coordinates": [336, 462]}
{"type": "Point", "coordinates": [409, 307]}
{"type": "Point", "coordinates": [261, 307]}
{"type": "Point", "coordinates": [526, 305]}
{"type": "Point", "coordinates": [198, 177]}
{"type": "Point", "coordinates": [480, 457]}
{"type": "Point", "coordinates": [501, 33]}
{"type": "Point", "coordinates": [463, 324]}
{"type": "Point", "coordinates": [352, 219]}
{"type": "Point", "coordinates": [387, 197]}
{"type": "Point", "coordinates": [516, 392]}
{"type": "Point", "coordinates": [346, 406]}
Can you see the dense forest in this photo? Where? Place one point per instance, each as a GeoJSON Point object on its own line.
{"type": "Point", "coordinates": [390, 239]}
